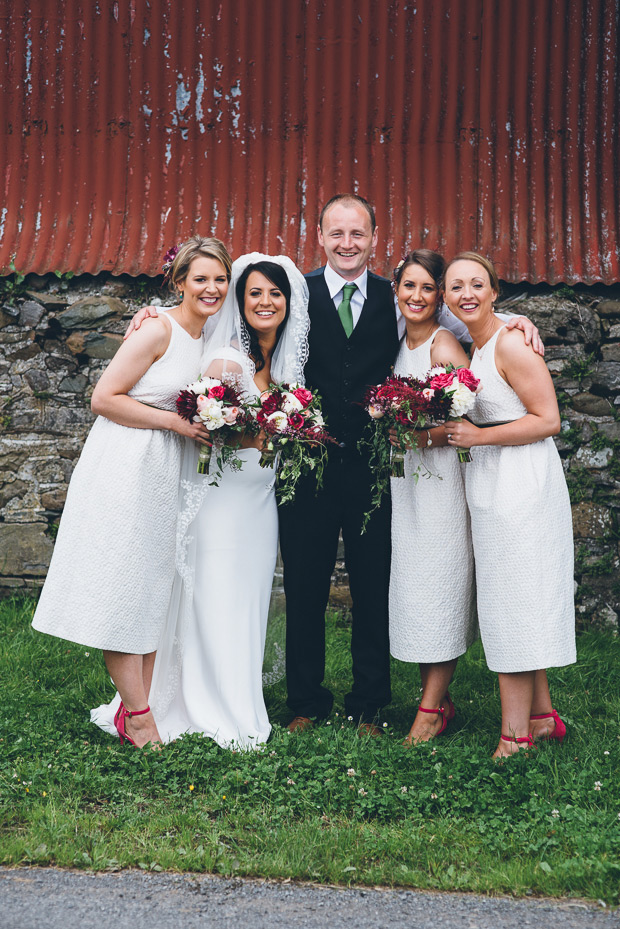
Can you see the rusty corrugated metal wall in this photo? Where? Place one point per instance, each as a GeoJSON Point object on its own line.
{"type": "Point", "coordinates": [491, 124]}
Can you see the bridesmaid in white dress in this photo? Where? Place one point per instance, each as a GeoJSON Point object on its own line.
{"type": "Point", "coordinates": [432, 598]}
{"type": "Point", "coordinates": [208, 672]}
{"type": "Point", "coordinates": [518, 502]}
{"type": "Point", "coordinates": [112, 571]}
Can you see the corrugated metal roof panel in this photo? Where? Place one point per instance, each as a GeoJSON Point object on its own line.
{"type": "Point", "coordinates": [469, 123]}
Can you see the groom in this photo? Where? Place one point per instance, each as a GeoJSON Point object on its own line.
{"type": "Point", "coordinates": [353, 343]}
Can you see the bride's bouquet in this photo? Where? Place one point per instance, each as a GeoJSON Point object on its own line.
{"type": "Point", "coordinates": [291, 418]}
{"type": "Point", "coordinates": [454, 394]}
{"type": "Point", "coordinates": [225, 410]}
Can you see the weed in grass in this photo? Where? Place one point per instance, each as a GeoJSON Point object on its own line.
{"type": "Point", "coordinates": [321, 805]}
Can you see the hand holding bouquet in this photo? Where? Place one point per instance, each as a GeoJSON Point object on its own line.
{"type": "Point", "coordinates": [224, 410]}
{"type": "Point", "coordinates": [290, 416]}
{"type": "Point", "coordinates": [454, 394]}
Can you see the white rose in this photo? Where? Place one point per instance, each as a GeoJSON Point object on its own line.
{"type": "Point", "coordinates": [279, 419]}
{"type": "Point", "coordinates": [462, 400]}
{"type": "Point", "coordinates": [211, 414]}
{"type": "Point", "coordinates": [375, 412]}
{"type": "Point", "coordinates": [291, 404]}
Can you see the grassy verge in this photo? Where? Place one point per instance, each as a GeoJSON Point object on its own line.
{"type": "Point", "coordinates": [323, 805]}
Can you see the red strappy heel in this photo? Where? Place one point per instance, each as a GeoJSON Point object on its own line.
{"type": "Point", "coordinates": [118, 712]}
{"type": "Point", "coordinates": [519, 739]}
{"type": "Point", "coordinates": [450, 712]}
{"type": "Point", "coordinates": [560, 729]}
{"type": "Point", "coordinates": [120, 722]}
{"type": "Point", "coordinates": [440, 711]}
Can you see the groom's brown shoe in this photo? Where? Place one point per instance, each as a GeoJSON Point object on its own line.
{"type": "Point", "coordinates": [299, 723]}
{"type": "Point", "coordinates": [369, 729]}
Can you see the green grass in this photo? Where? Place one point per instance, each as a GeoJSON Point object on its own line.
{"type": "Point", "coordinates": [440, 816]}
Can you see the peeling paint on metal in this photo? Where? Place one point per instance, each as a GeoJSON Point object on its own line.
{"type": "Point", "coordinates": [469, 123]}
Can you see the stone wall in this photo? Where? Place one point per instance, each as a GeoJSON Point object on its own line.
{"type": "Point", "coordinates": [56, 336]}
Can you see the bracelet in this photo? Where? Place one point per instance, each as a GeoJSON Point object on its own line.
{"type": "Point", "coordinates": [429, 441]}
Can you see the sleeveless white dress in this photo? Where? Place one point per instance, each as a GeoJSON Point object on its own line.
{"type": "Point", "coordinates": [208, 669]}
{"type": "Point", "coordinates": [523, 537]}
{"type": "Point", "coordinates": [111, 573]}
{"type": "Point", "coordinates": [432, 595]}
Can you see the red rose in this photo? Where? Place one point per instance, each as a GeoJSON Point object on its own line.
{"type": "Point", "coordinates": [304, 396]}
{"type": "Point", "coordinates": [441, 381]}
{"type": "Point", "coordinates": [216, 393]}
{"type": "Point", "coordinates": [296, 420]}
{"type": "Point", "coordinates": [466, 377]}
{"type": "Point", "coordinates": [261, 417]}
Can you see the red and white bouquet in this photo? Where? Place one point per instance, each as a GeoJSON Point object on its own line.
{"type": "Point", "coordinates": [453, 394]}
{"type": "Point", "coordinates": [402, 404]}
{"type": "Point", "coordinates": [225, 410]}
{"type": "Point", "coordinates": [291, 418]}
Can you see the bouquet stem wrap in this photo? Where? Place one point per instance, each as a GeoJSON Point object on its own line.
{"type": "Point", "coordinates": [397, 462]}
{"type": "Point", "coordinates": [204, 459]}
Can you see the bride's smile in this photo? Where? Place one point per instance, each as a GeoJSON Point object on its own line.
{"type": "Point", "coordinates": [265, 304]}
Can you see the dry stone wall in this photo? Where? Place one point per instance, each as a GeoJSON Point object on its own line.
{"type": "Point", "coordinates": [56, 336]}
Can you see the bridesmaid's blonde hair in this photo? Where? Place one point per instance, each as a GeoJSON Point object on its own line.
{"type": "Point", "coordinates": [196, 247]}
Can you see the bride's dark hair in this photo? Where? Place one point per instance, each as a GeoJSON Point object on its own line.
{"type": "Point", "coordinates": [279, 278]}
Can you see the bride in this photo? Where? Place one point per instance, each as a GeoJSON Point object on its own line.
{"type": "Point", "coordinates": [207, 676]}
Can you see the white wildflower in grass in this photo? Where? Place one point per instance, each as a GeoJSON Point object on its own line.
{"type": "Point", "coordinates": [272, 754]}
{"type": "Point", "coordinates": [598, 785]}
{"type": "Point", "coordinates": [350, 718]}
{"type": "Point", "coordinates": [88, 655]}
{"type": "Point", "coordinates": [351, 772]}
{"type": "Point", "coordinates": [606, 753]}
{"type": "Point", "coordinates": [433, 796]}
{"type": "Point", "coordinates": [290, 780]}
{"type": "Point", "coordinates": [362, 792]}
{"type": "Point", "coordinates": [403, 790]}
{"type": "Point", "coordinates": [555, 813]}
{"type": "Point", "coordinates": [385, 725]}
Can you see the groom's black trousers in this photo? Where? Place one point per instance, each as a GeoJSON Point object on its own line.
{"type": "Point", "coordinates": [309, 530]}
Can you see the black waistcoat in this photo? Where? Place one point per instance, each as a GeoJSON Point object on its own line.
{"type": "Point", "coordinates": [341, 369]}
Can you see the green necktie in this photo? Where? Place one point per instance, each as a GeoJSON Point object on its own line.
{"type": "Point", "coordinates": [344, 310]}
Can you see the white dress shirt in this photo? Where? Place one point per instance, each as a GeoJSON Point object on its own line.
{"type": "Point", "coordinates": [335, 285]}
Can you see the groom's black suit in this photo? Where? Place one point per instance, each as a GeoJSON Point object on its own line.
{"type": "Point", "coordinates": [341, 369]}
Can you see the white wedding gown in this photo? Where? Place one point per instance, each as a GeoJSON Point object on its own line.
{"type": "Point", "coordinates": [208, 675]}
{"type": "Point", "coordinates": [208, 670]}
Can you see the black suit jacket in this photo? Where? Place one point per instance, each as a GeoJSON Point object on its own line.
{"type": "Point", "coordinates": [342, 368]}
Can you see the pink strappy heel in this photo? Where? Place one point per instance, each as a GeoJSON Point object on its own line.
{"type": "Point", "coordinates": [560, 729]}
{"type": "Point", "coordinates": [119, 722]}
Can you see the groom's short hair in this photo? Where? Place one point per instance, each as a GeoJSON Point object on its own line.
{"type": "Point", "coordinates": [350, 199]}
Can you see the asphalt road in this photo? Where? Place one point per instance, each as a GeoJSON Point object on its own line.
{"type": "Point", "coordinates": [37, 898]}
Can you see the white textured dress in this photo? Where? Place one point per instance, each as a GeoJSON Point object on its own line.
{"type": "Point", "coordinates": [111, 574]}
{"type": "Point", "coordinates": [432, 596]}
{"type": "Point", "coordinates": [522, 535]}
